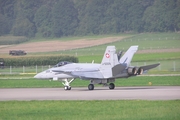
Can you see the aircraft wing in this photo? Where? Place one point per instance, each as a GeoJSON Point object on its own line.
{"type": "Point", "coordinates": [75, 70]}
{"type": "Point", "coordinates": [88, 74]}
{"type": "Point", "coordinates": [82, 73]}
{"type": "Point", "coordinates": [147, 67]}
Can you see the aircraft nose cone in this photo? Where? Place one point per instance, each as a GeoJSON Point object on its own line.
{"type": "Point", "coordinates": [37, 76]}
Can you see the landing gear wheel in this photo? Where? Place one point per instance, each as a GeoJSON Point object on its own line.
{"type": "Point", "coordinates": [67, 88]}
{"type": "Point", "coordinates": [91, 87]}
{"type": "Point", "coordinates": [111, 86]}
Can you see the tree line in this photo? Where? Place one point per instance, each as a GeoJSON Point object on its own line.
{"type": "Point", "coordinates": [57, 18]}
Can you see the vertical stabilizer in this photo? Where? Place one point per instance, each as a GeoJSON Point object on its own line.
{"type": "Point", "coordinates": [109, 60]}
{"type": "Point", "coordinates": [127, 57]}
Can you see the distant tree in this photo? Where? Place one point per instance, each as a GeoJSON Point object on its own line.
{"type": "Point", "coordinates": [24, 16]}
{"type": "Point", "coordinates": [64, 17]}
{"type": "Point", "coordinates": [23, 27]}
{"type": "Point", "coordinates": [145, 3]}
{"type": "Point", "coordinates": [4, 29]}
{"type": "Point", "coordinates": [43, 21]}
{"type": "Point", "coordinates": [93, 17]}
{"type": "Point", "coordinates": [162, 16]}
{"type": "Point", "coordinates": [28, 8]}
{"type": "Point", "coordinates": [176, 16]}
{"type": "Point", "coordinates": [56, 18]}
{"type": "Point", "coordinates": [80, 6]}
{"type": "Point", "coordinates": [6, 16]}
{"type": "Point", "coordinates": [134, 16]}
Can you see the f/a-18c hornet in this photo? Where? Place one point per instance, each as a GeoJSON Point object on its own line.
{"type": "Point", "coordinates": [104, 73]}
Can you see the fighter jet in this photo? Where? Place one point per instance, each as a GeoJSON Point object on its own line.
{"type": "Point", "coordinates": [111, 68]}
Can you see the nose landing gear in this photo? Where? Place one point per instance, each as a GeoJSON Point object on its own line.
{"type": "Point", "coordinates": [67, 83]}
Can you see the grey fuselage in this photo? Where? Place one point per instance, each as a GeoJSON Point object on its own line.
{"type": "Point", "coordinates": [50, 74]}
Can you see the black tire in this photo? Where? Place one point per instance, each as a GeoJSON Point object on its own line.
{"type": "Point", "coordinates": [66, 88]}
{"type": "Point", "coordinates": [91, 87]}
{"type": "Point", "coordinates": [111, 86]}
{"type": "Point", "coordinates": [69, 88]}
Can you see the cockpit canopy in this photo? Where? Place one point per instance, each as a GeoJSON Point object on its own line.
{"type": "Point", "coordinates": [62, 63]}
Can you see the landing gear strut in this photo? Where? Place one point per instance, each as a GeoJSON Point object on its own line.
{"type": "Point", "coordinates": [103, 82]}
{"type": "Point", "coordinates": [67, 83]}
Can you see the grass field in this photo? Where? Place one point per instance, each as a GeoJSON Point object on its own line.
{"type": "Point", "coordinates": [167, 65]}
{"type": "Point", "coordinates": [101, 110]}
{"type": "Point", "coordinates": [90, 110]}
{"type": "Point", "coordinates": [132, 81]}
{"type": "Point", "coordinates": [146, 41]}
{"type": "Point", "coordinates": [137, 57]}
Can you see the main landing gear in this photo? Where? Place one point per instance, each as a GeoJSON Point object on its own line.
{"type": "Point", "coordinates": [91, 86]}
{"type": "Point", "coordinates": [111, 86]}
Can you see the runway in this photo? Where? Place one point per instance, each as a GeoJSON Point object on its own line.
{"type": "Point", "coordinates": [99, 93]}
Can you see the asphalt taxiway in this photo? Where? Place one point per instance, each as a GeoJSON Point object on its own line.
{"type": "Point", "coordinates": [99, 93]}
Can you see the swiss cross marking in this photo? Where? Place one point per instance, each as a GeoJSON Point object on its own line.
{"type": "Point", "coordinates": [107, 55]}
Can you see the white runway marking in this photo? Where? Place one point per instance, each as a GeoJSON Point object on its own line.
{"type": "Point", "coordinates": [99, 93]}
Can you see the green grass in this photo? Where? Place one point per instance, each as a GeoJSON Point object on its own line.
{"type": "Point", "coordinates": [151, 41]}
{"type": "Point", "coordinates": [137, 57]}
{"type": "Point", "coordinates": [144, 80]}
{"type": "Point", "coordinates": [100, 110]}
{"type": "Point", "coordinates": [146, 41]}
{"type": "Point", "coordinates": [132, 81]}
{"type": "Point", "coordinates": [156, 56]}
{"type": "Point", "coordinates": [90, 110]}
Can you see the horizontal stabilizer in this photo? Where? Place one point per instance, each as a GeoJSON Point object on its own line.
{"type": "Point", "coordinates": [147, 67]}
{"type": "Point", "coordinates": [117, 69]}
